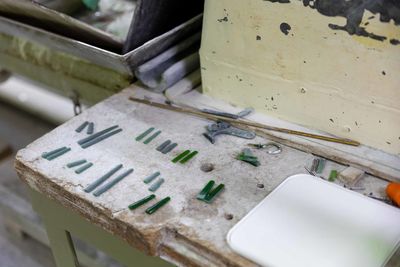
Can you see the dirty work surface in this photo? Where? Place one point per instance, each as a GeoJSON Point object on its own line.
{"type": "Point", "coordinates": [186, 231]}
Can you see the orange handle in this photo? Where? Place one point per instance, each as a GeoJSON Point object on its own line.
{"type": "Point", "coordinates": [393, 192]}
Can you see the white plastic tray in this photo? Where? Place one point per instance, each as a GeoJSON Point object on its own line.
{"type": "Point", "coordinates": [310, 222]}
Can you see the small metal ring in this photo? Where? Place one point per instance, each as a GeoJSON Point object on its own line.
{"type": "Point", "coordinates": [278, 148]}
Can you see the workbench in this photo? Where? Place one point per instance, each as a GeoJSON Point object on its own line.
{"type": "Point", "coordinates": [186, 231]}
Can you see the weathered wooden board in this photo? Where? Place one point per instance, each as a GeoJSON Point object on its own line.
{"type": "Point", "coordinates": [186, 232]}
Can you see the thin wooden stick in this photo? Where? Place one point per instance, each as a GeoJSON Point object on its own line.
{"type": "Point", "coordinates": [241, 122]}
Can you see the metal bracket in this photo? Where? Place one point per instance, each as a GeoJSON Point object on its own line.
{"type": "Point", "coordinates": [225, 128]}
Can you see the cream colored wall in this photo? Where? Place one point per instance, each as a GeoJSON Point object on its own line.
{"type": "Point", "coordinates": [326, 79]}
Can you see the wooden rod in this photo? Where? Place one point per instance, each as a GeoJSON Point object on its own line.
{"type": "Point", "coordinates": [241, 122]}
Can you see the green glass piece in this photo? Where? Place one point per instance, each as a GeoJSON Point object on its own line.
{"type": "Point", "coordinates": [47, 154]}
{"type": "Point", "coordinates": [60, 153]}
{"type": "Point", "coordinates": [110, 184]}
{"type": "Point", "coordinates": [158, 205]}
{"type": "Point", "coordinates": [91, 4]}
{"type": "Point", "coordinates": [151, 138]}
{"type": "Point", "coordinates": [333, 175]}
{"type": "Point", "coordinates": [90, 128]}
{"type": "Point", "coordinates": [103, 178]}
{"type": "Point", "coordinates": [249, 159]}
{"type": "Point", "coordinates": [84, 168]}
{"type": "Point", "coordinates": [181, 156]}
{"type": "Point", "coordinates": [210, 196]}
{"type": "Point", "coordinates": [169, 148]}
{"type": "Point", "coordinates": [203, 193]}
{"type": "Point", "coordinates": [82, 126]}
{"type": "Point", "coordinates": [76, 163]}
{"type": "Point", "coordinates": [154, 187]}
{"type": "Point", "coordinates": [100, 138]}
{"type": "Point", "coordinates": [144, 134]}
{"type": "Point", "coordinates": [141, 202]}
{"type": "Point", "coordinates": [321, 165]}
{"type": "Point", "coordinates": [150, 178]}
{"type": "Point", "coordinates": [95, 135]}
{"type": "Point", "coordinates": [189, 157]}
{"type": "Point", "coordinates": [163, 145]}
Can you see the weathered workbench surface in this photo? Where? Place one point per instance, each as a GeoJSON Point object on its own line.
{"type": "Point", "coordinates": [186, 232]}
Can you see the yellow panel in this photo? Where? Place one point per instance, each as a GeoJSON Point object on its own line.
{"type": "Point", "coordinates": [289, 61]}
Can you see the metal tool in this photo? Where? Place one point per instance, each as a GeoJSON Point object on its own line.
{"type": "Point", "coordinates": [226, 128]}
{"type": "Point", "coordinates": [272, 148]}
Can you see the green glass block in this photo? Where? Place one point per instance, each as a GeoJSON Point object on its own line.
{"type": "Point", "coordinates": [151, 138]}
{"type": "Point", "coordinates": [76, 163]}
{"type": "Point", "coordinates": [144, 134]}
{"type": "Point", "coordinates": [189, 157]}
{"type": "Point", "coordinates": [84, 168]}
{"type": "Point", "coordinates": [204, 192]}
{"type": "Point", "coordinates": [141, 202]}
{"type": "Point", "coordinates": [158, 205]}
{"type": "Point", "coordinates": [210, 196]}
{"type": "Point", "coordinates": [181, 156]}
{"type": "Point", "coordinates": [333, 175]}
{"type": "Point", "coordinates": [321, 165]}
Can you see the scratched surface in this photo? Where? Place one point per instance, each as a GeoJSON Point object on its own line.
{"type": "Point", "coordinates": [186, 232]}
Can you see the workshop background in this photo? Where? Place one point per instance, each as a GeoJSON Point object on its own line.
{"type": "Point", "coordinates": [294, 64]}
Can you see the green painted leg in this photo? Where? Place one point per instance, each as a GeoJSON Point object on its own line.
{"type": "Point", "coordinates": [60, 222]}
{"type": "Point", "coordinates": [61, 246]}
{"type": "Point", "coordinates": [60, 239]}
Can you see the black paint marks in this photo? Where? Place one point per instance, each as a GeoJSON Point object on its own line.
{"type": "Point", "coordinates": [285, 28]}
{"type": "Point", "coordinates": [383, 72]}
{"type": "Point", "coordinates": [258, 37]}
{"type": "Point", "coordinates": [353, 11]}
{"type": "Point", "coordinates": [224, 19]}
{"type": "Point", "coordinates": [394, 41]}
